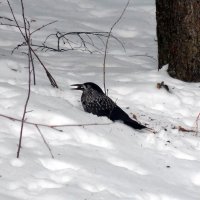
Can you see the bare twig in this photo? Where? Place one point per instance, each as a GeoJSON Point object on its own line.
{"type": "Point", "coordinates": [44, 140]}
{"type": "Point", "coordinates": [6, 18]}
{"type": "Point", "coordinates": [27, 37]}
{"type": "Point", "coordinates": [25, 107]}
{"type": "Point", "coordinates": [145, 55]}
{"type": "Point", "coordinates": [86, 41]}
{"type": "Point", "coordinates": [51, 79]}
{"type": "Point", "coordinates": [11, 25]}
{"type": "Point", "coordinates": [54, 126]}
{"type": "Point", "coordinates": [29, 80]}
{"type": "Point", "coordinates": [180, 128]}
{"type": "Point", "coordinates": [18, 46]}
{"type": "Point", "coordinates": [18, 26]}
{"type": "Point", "coordinates": [31, 56]}
{"type": "Point", "coordinates": [197, 124]}
{"type": "Point", "coordinates": [106, 48]}
{"type": "Point", "coordinates": [45, 25]}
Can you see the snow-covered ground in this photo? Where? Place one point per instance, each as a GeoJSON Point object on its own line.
{"type": "Point", "coordinates": [107, 162]}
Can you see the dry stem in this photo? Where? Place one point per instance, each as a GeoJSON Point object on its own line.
{"type": "Point", "coordinates": [106, 48]}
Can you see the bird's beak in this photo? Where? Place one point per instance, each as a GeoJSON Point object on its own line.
{"type": "Point", "coordinates": [77, 87]}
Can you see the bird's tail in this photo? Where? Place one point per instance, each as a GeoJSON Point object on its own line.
{"type": "Point", "coordinates": [134, 124]}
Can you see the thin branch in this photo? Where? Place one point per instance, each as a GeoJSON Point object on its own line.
{"type": "Point", "coordinates": [106, 48]}
{"type": "Point", "coordinates": [11, 25]}
{"type": "Point", "coordinates": [145, 55]}
{"type": "Point", "coordinates": [31, 57]}
{"type": "Point", "coordinates": [119, 41]}
{"type": "Point", "coordinates": [180, 128]}
{"type": "Point", "coordinates": [29, 80]}
{"type": "Point", "coordinates": [25, 107]}
{"type": "Point", "coordinates": [52, 80]}
{"type": "Point", "coordinates": [44, 140]}
{"type": "Point", "coordinates": [45, 25]}
{"type": "Point", "coordinates": [86, 41]}
{"type": "Point", "coordinates": [43, 47]}
{"type": "Point", "coordinates": [18, 26]}
{"type": "Point", "coordinates": [6, 18]}
{"type": "Point", "coordinates": [197, 124]}
{"type": "Point", "coordinates": [82, 32]}
{"type": "Point", "coordinates": [18, 46]}
{"type": "Point", "coordinates": [28, 35]}
{"type": "Point", "coordinates": [54, 126]}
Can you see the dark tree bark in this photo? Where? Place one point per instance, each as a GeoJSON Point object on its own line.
{"type": "Point", "coordinates": [163, 36]}
{"type": "Point", "coordinates": [183, 39]}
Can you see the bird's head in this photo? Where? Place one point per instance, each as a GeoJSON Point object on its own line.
{"type": "Point", "coordinates": [87, 86]}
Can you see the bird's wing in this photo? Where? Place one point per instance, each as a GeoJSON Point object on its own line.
{"type": "Point", "coordinates": [101, 106]}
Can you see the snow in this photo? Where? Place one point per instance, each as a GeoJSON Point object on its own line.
{"type": "Point", "coordinates": [98, 162]}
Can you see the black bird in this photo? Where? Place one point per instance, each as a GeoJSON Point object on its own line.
{"type": "Point", "coordinates": [96, 102]}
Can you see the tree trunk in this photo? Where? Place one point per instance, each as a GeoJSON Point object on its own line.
{"type": "Point", "coordinates": [163, 36]}
{"type": "Point", "coordinates": [182, 39]}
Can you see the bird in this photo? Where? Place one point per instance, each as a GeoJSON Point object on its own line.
{"type": "Point", "coordinates": [95, 101]}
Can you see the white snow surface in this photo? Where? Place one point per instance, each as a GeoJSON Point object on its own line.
{"type": "Point", "coordinates": [105, 162]}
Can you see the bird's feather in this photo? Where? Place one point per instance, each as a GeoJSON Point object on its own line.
{"type": "Point", "coordinates": [96, 102]}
